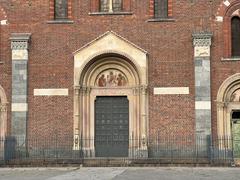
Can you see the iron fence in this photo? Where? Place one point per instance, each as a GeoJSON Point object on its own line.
{"type": "Point", "coordinates": [221, 150]}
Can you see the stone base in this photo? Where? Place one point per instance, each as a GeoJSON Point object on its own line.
{"type": "Point", "coordinates": [138, 153]}
{"type": "Point", "coordinates": [88, 153]}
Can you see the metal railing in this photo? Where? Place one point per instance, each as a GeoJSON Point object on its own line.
{"type": "Point", "coordinates": [221, 150]}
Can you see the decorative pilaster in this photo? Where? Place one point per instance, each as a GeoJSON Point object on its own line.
{"type": "Point", "coordinates": [202, 44]}
{"type": "Point", "coordinates": [19, 46]}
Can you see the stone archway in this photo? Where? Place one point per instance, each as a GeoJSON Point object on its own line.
{"type": "Point", "coordinates": [3, 120]}
{"type": "Point", "coordinates": [227, 101]}
{"type": "Point", "coordinates": [110, 55]}
{"type": "Point", "coordinates": [3, 113]}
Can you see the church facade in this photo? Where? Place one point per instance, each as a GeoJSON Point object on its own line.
{"type": "Point", "coordinates": [101, 69]}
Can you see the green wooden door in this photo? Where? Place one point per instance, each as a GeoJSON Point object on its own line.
{"type": "Point", "coordinates": [236, 139]}
{"type": "Point", "coordinates": [111, 126]}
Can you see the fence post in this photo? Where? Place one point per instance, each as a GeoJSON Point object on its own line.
{"type": "Point", "coordinates": [81, 153]}
{"type": "Point", "coordinates": [209, 148]}
{"type": "Point", "coordinates": [9, 148]}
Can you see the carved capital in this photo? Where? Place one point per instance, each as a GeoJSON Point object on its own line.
{"type": "Point", "coordinates": [220, 104]}
{"type": "Point", "coordinates": [77, 90]}
{"type": "Point", "coordinates": [3, 108]}
{"type": "Point", "coordinates": [85, 90]}
{"type": "Point", "coordinates": [19, 45]}
{"type": "Point", "coordinates": [136, 91]}
{"type": "Point", "coordinates": [143, 89]}
{"type": "Point", "coordinates": [20, 41]}
{"type": "Point", "coordinates": [202, 39]}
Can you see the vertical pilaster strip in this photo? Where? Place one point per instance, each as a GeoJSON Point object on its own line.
{"type": "Point", "coordinates": [19, 46]}
{"type": "Point", "coordinates": [202, 44]}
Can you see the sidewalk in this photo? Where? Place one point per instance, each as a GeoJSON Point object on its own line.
{"type": "Point", "coordinates": [120, 173]}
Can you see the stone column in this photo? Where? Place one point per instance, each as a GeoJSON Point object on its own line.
{"type": "Point", "coordinates": [19, 46]}
{"type": "Point", "coordinates": [202, 44]}
{"type": "Point", "coordinates": [143, 94]}
{"type": "Point", "coordinates": [3, 120]}
{"type": "Point", "coordinates": [76, 127]}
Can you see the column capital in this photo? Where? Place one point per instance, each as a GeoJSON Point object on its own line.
{"type": "Point", "coordinates": [144, 89]}
{"type": "Point", "coordinates": [77, 90]}
{"type": "Point", "coordinates": [220, 104]}
{"type": "Point", "coordinates": [202, 39]}
{"type": "Point", "coordinates": [20, 41]}
{"type": "Point", "coordinates": [85, 90]}
{"type": "Point", "coordinates": [3, 107]}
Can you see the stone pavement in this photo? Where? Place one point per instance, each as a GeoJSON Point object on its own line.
{"type": "Point", "coordinates": [120, 173]}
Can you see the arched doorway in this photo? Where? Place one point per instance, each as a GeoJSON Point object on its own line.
{"type": "Point", "coordinates": [110, 71]}
{"type": "Point", "coordinates": [228, 108]}
{"type": "Point", "coordinates": [3, 120]}
{"type": "Point", "coordinates": [3, 113]}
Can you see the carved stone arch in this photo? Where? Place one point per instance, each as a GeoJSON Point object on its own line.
{"type": "Point", "coordinates": [225, 105]}
{"type": "Point", "coordinates": [113, 53]}
{"type": "Point", "coordinates": [104, 61]}
{"type": "Point", "coordinates": [225, 7]}
{"type": "Point", "coordinates": [229, 10]}
{"type": "Point", "coordinates": [110, 53]}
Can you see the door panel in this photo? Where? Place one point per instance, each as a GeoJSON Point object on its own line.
{"type": "Point", "coordinates": [236, 139]}
{"type": "Point", "coordinates": [111, 126]}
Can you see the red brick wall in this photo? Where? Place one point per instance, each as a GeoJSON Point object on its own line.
{"type": "Point", "coordinates": [169, 45]}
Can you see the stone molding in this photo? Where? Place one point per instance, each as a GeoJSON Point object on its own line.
{"type": "Point", "coordinates": [171, 90]}
{"type": "Point", "coordinates": [51, 92]}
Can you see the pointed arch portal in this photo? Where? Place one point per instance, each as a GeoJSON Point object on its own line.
{"type": "Point", "coordinates": [110, 66]}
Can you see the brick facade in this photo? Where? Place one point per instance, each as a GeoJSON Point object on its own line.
{"type": "Point", "coordinates": [168, 44]}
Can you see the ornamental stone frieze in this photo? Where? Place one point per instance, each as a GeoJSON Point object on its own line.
{"type": "Point", "coordinates": [202, 39]}
{"type": "Point", "coordinates": [20, 41]}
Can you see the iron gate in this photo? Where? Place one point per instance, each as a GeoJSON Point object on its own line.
{"type": "Point", "coordinates": [111, 126]}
